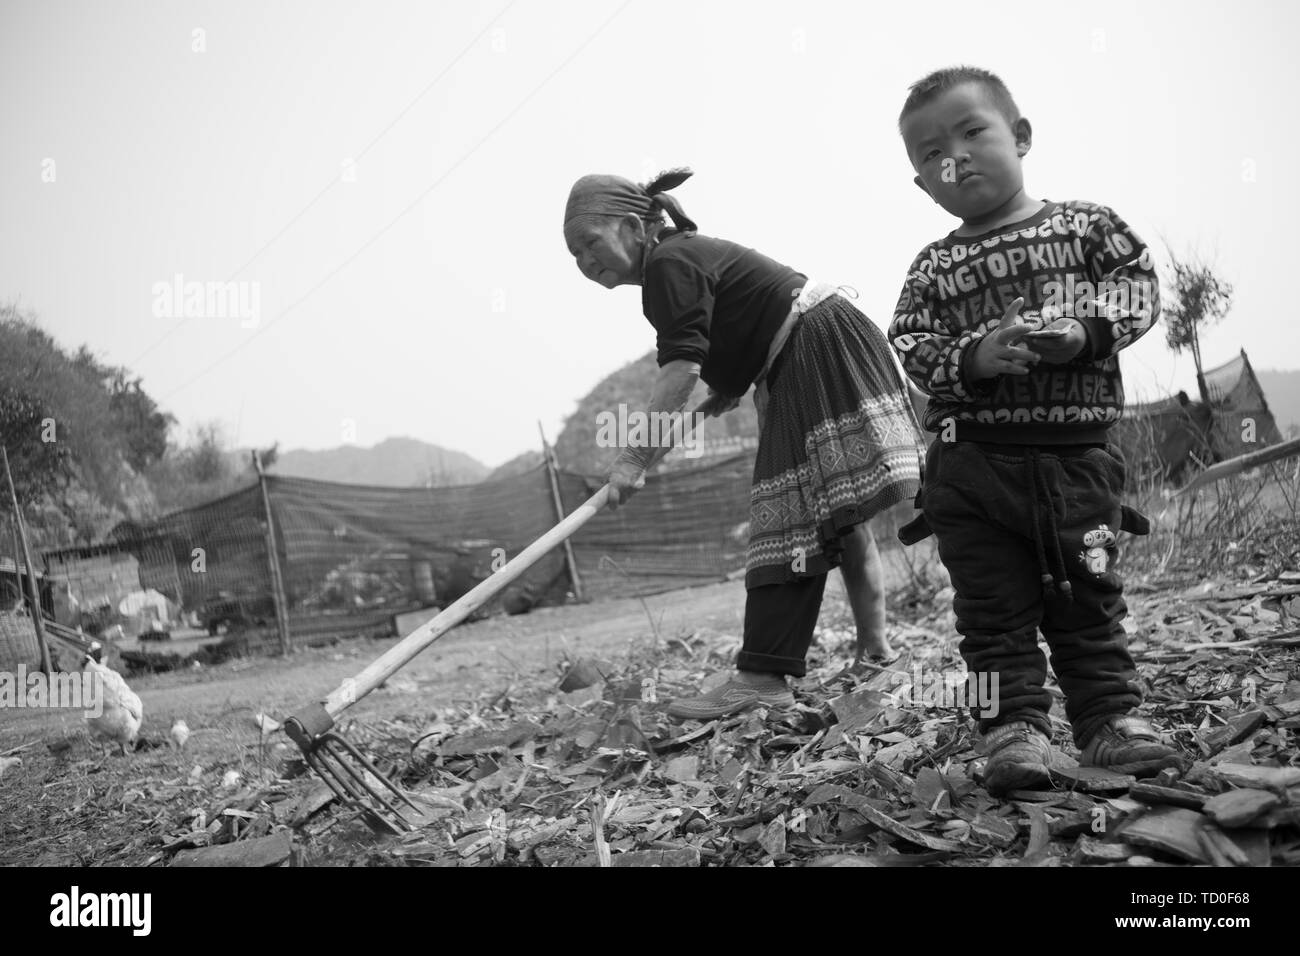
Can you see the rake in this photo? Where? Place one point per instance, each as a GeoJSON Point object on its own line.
{"type": "Point", "coordinates": [353, 778]}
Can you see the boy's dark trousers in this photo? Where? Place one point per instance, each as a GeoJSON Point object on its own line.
{"type": "Point", "coordinates": [1013, 524]}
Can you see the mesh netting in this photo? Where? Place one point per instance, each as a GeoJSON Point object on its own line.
{"type": "Point", "coordinates": [353, 556]}
{"type": "Point", "coordinates": [685, 527]}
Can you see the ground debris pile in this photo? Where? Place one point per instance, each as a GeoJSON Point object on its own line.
{"type": "Point", "coordinates": [152, 807]}
{"type": "Point", "coordinates": [877, 765]}
{"type": "Point", "coordinates": [873, 767]}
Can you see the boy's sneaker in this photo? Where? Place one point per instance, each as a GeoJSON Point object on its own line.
{"type": "Point", "coordinates": [1129, 744]}
{"type": "Point", "coordinates": [1018, 758]}
{"type": "Point", "coordinates": [743, 691]}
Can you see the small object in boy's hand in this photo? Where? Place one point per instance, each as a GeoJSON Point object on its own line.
{"type": "Point", "coordinates": [1058, 343]}
{"type": "Point", "coordinates": [1055, 333]}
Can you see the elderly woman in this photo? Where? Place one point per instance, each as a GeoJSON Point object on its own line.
{"type": "Point", "coordinates": [838, 441]}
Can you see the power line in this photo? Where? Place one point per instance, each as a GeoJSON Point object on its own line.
{"type": "Point", "coordinates": [335, 181]}
{"type": "Point", "coordinates": [415, 202]}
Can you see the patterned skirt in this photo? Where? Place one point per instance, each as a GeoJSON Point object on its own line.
{"type": "Point", "coordinates": [839, 444]}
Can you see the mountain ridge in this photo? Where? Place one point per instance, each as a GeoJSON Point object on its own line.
{"type": "Point", "coordinates": [396, 462]}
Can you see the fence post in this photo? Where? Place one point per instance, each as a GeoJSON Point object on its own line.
{"type": "Point", "coordinates": [273, 559]}
{"type": "Point", "coordinates": [33, 589]}
{"type": "Point", "coordinates": [552, 472]}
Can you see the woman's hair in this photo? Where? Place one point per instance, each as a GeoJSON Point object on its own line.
{"type": "Point", "coordinates": [661, 202]}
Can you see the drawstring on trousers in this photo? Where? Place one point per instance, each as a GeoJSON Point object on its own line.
{"type": "Point", "coordinates": [1053, 574]}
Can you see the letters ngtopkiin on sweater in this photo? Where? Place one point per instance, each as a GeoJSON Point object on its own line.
{"type": "Point", "coordinates": [1074, 259]}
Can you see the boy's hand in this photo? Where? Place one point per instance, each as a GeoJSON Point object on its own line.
{"type": "Point", "coordinates": [999, 352]}
{"type": "Point", "coordinates": [1059, 342]}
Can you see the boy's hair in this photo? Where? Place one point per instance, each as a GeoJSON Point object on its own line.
{"type": "Point", "coordinates": [940, 81]}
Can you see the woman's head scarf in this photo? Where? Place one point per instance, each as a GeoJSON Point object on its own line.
{"type": "Point", "coordinates": [603, 195]}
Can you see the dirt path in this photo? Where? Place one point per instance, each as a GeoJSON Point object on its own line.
{"type": "Point", "coordinates": [460, 665]}
{"type": "Point", "coordinates": [465, 662]}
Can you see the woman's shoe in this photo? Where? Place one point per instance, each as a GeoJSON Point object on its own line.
{"type": "Point", "coordinates": [740, 693]}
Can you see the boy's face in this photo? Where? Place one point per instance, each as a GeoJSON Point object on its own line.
{"type": "Point", "coordinates": [605, 248]}
{"type": "Point", "coordinates": [966, 154]}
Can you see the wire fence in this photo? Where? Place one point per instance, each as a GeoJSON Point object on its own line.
{"type": "Point", "coordinates": [351, 557]}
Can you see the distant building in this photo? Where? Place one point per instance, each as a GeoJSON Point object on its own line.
{"type": "Point", "coordinates": [17, 633]}
{"type": "Point", "coordinates": [91, 580]}
{"type": "Point", "coordinates": [13, 584]}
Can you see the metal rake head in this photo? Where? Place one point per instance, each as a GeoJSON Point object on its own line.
{"type": "Point", "coordinates": [354, 779]}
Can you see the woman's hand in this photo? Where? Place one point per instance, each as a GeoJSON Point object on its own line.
{"type": "Point", "coordinates": [672, 388]}
{"type": "Point", "coordinates": [625, 479]}
{"type": "Point", "coordinates": [716, 405]}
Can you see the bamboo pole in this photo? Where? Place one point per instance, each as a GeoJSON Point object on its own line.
{"type": "Point", "coordinates": [33, 590]}
{"type": "Point", "coordinates": [18, 551]}
{"type": "Point", "coordinates": [552, 472]}
{"type": "Point", "coordinates": [1234, 466]}
{"type": "Point", "coordinates": [273, 560]}
{"type": "Point", "coordinates": [397, 656]}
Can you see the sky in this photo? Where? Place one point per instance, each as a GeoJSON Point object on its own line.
{"type": "Point", "coordinates": [385, 181]}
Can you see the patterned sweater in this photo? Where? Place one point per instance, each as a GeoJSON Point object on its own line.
{"type": "Point", "coordinates": [1074, 259]}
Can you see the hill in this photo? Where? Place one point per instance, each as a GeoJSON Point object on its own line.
{"type": "Point", "coordinates": [520, 464]}
{"type": "Point", "coordinates": [394, 462]}
{"type": "Point", "coordinates": [631, 385]}
{"type": "Point", "coordinates": [1282, 391]}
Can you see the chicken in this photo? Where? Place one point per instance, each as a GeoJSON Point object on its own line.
{"type": "Point", "coordinates": [8, 762]}
{"type": "Point", "coordinates": [180, 733]}
{"type": "Point", "coordinates": [267, 725]}
{"type": "Point", "coordinates": [122, 710]}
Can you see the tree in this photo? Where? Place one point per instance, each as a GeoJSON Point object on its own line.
{"type": "Point", "coordinates": [1194, 297]}
{"type": "Point", "coordinates": [55, 411]}
{"type": "Point", "coordinates": [80, 432]}
{"type": "Point", "coordinates": [202, 470]}
{"type": "Point", "coordinates": [142, 426]}
{"type": "Point", "coordinates": [206, 461]}
{"type": "Point", "coordinates": [39, 467]}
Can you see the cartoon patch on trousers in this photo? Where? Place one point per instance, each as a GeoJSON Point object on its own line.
{"type": "Point", "coordinates": [1096, 542]}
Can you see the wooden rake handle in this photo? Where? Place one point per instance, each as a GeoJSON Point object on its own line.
{"type": "Point", "coordinates": [401, 653]}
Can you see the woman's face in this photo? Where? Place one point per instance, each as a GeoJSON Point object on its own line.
{"type": "Point", "coordinates": [607, 249]}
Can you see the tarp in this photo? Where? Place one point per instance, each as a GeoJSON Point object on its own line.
{"type": "Point", "coordinates": [1168, 437]}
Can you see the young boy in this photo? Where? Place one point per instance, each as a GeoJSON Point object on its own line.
{"type": "Point", "coordinates": [1012, 324]}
